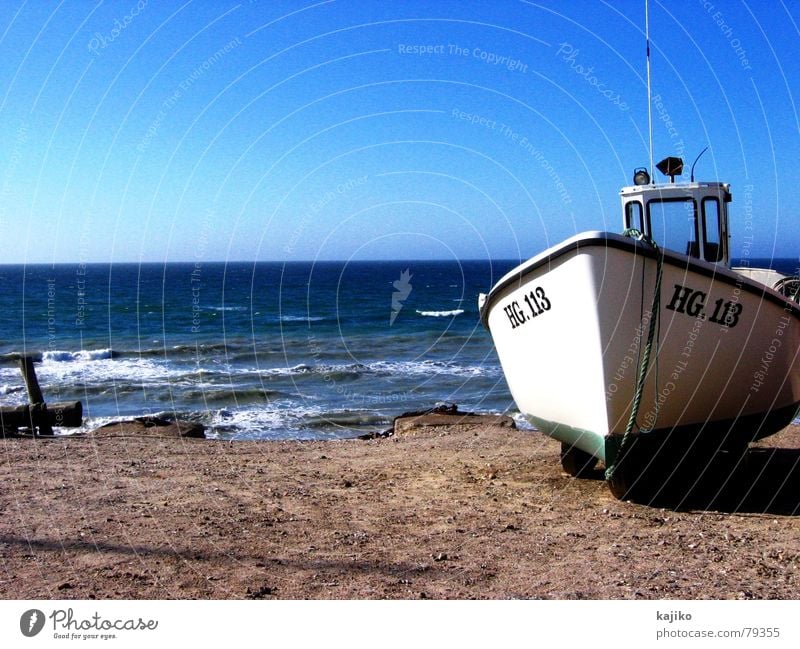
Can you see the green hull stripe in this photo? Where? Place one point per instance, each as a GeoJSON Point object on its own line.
{"type": "Point", "coordinates": [732, 433]}
{"type": "Point", "coordinates": [586, 440]}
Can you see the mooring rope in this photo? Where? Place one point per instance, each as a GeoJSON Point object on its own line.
{"type": "Point", "coordinates": [789, 287]}
{"type": "Point", "coordinates": [644, 364]}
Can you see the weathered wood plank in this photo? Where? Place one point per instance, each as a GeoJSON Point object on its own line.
{"type": "Point", "coordinates": [67, 415]}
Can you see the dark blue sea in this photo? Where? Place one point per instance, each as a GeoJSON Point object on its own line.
{"type": "Point", "coordinates": [264, 350]}
{"type": "Point", "coordinates": [258, 351]}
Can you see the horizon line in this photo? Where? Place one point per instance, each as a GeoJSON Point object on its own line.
{"type": "Point", "coordinates": [256, 261]}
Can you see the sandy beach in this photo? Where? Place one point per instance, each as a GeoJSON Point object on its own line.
{"type": "Point", "coordinates": [453, 511]}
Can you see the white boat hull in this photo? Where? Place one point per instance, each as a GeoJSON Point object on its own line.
{"type": "Point", "coordinates": [570, 326]}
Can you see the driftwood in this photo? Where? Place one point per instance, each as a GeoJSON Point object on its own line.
{"type": "Point", "coordinates": [38, 416]}
{"type": "Point", "coordinates": [68, 415]}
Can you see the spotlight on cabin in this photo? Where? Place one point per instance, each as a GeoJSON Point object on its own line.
{"type": "Point", "coordinates": [671, 167]}
{"type": "Point", "coordinates": [640, 176]}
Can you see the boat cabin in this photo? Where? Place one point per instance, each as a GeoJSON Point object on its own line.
{"type": "Point", "coordinates": [688, 218]}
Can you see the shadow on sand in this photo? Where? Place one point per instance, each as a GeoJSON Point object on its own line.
{"type": "Point", "coordinates": [765, 481]}
{"type": "Point", "coordinates": [762, 481]}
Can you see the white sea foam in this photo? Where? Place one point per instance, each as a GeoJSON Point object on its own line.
{"type": "Point", "coordinates": [441, 314]}
{"type": "Point", "coordinates": [90, 423]}
{"type": "Point", "coordinates": [288, 420]}
{"type": "Point", "coordinates": [380, 368]}
{"type": "Point", "coordinates": [280, 420]}
{"type": "Point", "coordinates": [521, 422]}
{"type": "Point", "coordinates": [428, 368]}
{"type": "Point", "coordinates": [102, 365]}
{"type": "Point", "coordinates": [10, 389]}
{"type": "Point", "coordinates": [301, 318]}
{"type": "Point", "coordinates": [57, 356]}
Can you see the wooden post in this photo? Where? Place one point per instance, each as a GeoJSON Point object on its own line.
{"type": "Point", "coordinates": [34, 392]}
{"type": "Point", "coordinates": [64, 415]}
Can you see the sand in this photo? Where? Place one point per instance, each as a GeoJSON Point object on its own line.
{"type": "Point", "coordinates": [454, 511]}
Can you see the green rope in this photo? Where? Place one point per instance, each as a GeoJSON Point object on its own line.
{"type": "Point", "coordinates": [796, 296]}
{"type": "Point", "coordinates": [789, 287]}
{"type": "Point", "coordinates": [644, 364]}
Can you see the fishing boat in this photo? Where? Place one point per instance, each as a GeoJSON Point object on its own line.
{"type": "Point", "coordinates": [646, 350]}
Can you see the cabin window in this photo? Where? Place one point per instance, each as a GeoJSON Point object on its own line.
{"type": "Point", "coordinates": [633, 216]}
{"type": "Point", "coordinates": [673, 225]}
{"type": "Point", "coordinates": [712, 233]}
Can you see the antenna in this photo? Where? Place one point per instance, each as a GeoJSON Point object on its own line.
{"type": "Point", "coordinates": [695, 161]}
{"type": "Point", "coordinates": [649, 100]}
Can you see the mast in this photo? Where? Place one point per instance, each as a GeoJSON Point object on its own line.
{"type": "Point", "coordinates": [649, 100]}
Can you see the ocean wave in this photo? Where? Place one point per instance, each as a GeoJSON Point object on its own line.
{"type": "Point", "coordinates": [97, 370]}
{"type": "Point", "coordinates": [429, 368]}
{"type": "Point", "coordinates": [58, 356]}
{"type": "Point", "coordinates": [11, 359]}
{"type": "Point", "coordinates": [441, 314]}
{"type": "Point", "coordinates": [302, 318]}
{"type": "Point", "coordinates": [288, 421]}
{"type": "Point", "coordinates": [103, 372]}
{"type": "Point", "coordinates": [206, 350]}
{"type": "Point", "coordinates": [251, 423]}
{"type": "Point", "coordinates": [330, 372]}
{"type": "Point", "coordinates": [245, 395]}
{"type": "Point", "coordinates": [278, 419]}
{"type": "Point", "coordinates": [380, 368]}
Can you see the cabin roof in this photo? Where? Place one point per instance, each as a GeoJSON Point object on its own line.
{"type": "Point", "coordinates": [677, 189]}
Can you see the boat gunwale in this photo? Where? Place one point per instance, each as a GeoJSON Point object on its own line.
{"type": "Point", "coordinates": [621, 242]}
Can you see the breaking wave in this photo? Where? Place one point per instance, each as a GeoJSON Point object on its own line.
{"type": "Point", "coordinates": [441, 314]}
{"type": "Point", "coordinates": [57, 356]}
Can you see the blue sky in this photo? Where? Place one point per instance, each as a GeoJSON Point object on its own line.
{"type": "Point", "coordinates": [199, 131]}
